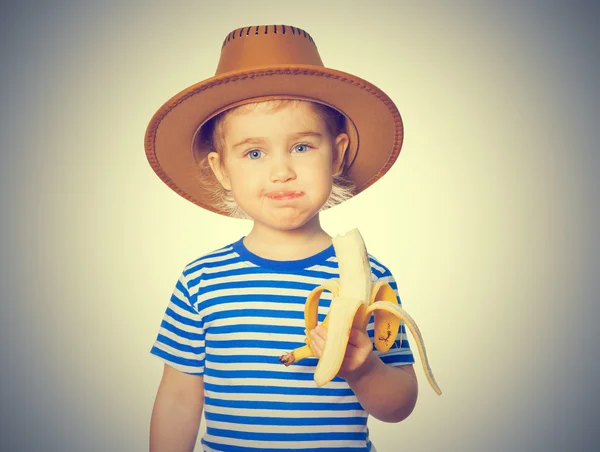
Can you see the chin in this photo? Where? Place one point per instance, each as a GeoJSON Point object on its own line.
{"type": "Point", "coordinates": [289, 222]}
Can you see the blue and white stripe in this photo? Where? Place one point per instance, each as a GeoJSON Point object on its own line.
{"type": "Point", "coordinates": [231, 316]}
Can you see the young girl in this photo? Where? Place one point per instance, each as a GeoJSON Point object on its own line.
{"type": "Point", "coordinates": [274, 137]}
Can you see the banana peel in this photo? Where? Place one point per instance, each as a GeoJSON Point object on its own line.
{"type": "Point", "coordinates": [355, 299]}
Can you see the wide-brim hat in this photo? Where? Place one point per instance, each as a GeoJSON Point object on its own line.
{"type": "Point", "coordinates": [264, 62]}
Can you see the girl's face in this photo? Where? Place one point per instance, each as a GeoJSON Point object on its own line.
{"type": "Point", "coordinates": [279, 164]}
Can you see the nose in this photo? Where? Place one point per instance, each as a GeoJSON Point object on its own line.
{"type": "Point", "coordinates": [282, 169]}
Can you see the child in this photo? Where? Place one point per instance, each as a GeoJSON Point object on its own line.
{"type": "Point", "coordinates": [274, 137]}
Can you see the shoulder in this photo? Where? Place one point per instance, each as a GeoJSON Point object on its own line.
{"type": "Point", "coordinates": [378, 268]}
{"type": "Point", "coordinates": [209, 262]}
{"type": "Point", "coordinates": [381, 273]}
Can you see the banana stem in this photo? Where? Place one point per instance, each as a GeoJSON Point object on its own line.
{"type": "Point", "coordinates": [296, 355]}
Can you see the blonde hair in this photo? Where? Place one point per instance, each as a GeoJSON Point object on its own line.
{"type": "Point", "coordinates": [214, 140]}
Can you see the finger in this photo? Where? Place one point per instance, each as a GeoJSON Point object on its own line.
{"type": "Point", "coordinates": [319, 351]}
{"type": "Point", "coordinates": [316, 349]}
{"type": "Point", "coordinates": [321, 332]}
{"type": "Point", "coordinates": [316, 344]}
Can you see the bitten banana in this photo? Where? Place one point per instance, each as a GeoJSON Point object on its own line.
{"type": "Point", "coordinates": [355, 298]}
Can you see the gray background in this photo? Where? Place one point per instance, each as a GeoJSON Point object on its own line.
{"type": "Point", "coordinates": [492, 208]}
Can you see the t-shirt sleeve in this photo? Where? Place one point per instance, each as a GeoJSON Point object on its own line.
{"type": "Point", "coordinates": [180, 342]}
{"type": "Point", "coordinates": [400, 353]}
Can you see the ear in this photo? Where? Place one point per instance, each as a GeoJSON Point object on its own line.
{"type": "Point", "coordinates": [214, 160]}
{"type": "Point", "coordinates": [339, 150]}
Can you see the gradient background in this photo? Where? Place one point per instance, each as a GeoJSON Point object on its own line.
{"type": "Point", "coordinates": [488, 220]}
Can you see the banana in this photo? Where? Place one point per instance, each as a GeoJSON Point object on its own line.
{"type": "Point", "coordinates": [355, 299]}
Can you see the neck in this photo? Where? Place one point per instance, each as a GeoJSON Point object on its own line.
{"type": "Point", "coordinates": [293, 244]}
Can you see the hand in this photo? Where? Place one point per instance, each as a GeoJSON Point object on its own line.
{"type": "Point", "coordinates": [358, 351]}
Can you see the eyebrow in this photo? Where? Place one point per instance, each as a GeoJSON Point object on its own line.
{"type": "Point", "coordinates": [259, 140]}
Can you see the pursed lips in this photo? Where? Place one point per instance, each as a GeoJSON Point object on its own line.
{"type": "Point", "coordinates": [284, 194]}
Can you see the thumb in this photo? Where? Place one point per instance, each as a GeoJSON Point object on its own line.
{"type": "Point", "coordinates": [358, 337]}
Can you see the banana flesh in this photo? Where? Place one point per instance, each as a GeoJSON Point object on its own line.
{"type": "Point", "coordinates": [355, 299]}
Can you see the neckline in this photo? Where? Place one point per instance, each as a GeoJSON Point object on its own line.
{"type": "Point", "coordinates": [297, 264]}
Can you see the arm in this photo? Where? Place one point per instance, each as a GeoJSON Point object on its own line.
{"type": "Point", "coordinates": [177, 412]}
{"type": "Point", "coordinates": [385, 392]}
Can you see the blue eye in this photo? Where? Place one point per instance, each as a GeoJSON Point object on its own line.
{"type": "Point", "coordinates": [254, 154]}
{"type": "Point", "coordinates": [305, 146]}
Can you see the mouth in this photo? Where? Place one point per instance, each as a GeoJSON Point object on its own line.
{"type": "Point", "coordinates": [284, 195]}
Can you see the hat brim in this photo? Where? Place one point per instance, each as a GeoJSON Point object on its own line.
{"type": "Point", "coordinates": [170, 133]}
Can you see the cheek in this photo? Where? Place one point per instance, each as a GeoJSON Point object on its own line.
{"type": "Point", "coordinates": [244, 179]}
{"type": "Point", "coordinates": [319, 171]}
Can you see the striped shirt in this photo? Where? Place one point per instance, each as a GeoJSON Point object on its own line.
{"type": "Point", "coordinates": [231, 316]}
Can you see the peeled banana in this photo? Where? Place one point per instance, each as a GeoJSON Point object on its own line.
{"type": "Point", "coordinates": [355, 298]}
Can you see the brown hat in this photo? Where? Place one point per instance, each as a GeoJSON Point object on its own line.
{"type": "Point", "coordinates": [272, 62]}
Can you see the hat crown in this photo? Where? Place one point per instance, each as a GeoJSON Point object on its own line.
{"type": "Point", "coordinates": [267, 45]}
